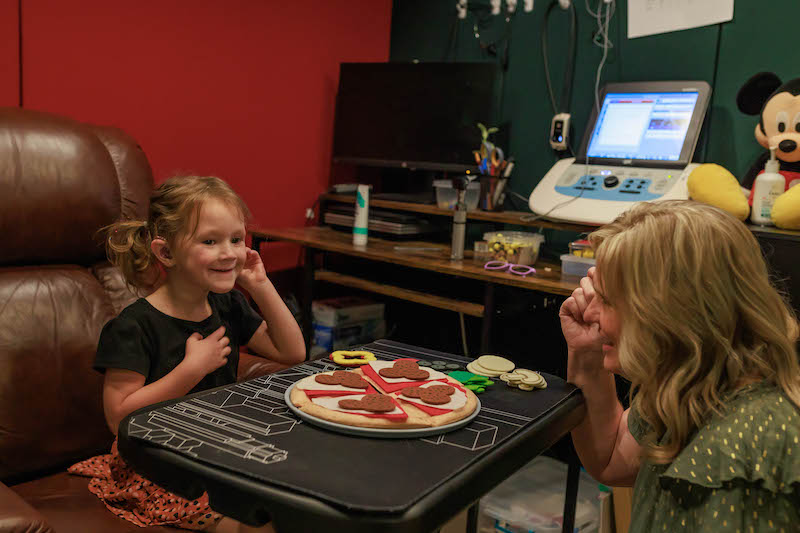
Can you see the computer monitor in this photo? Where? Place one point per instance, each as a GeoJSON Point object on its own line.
{"type": "Point", "coordinates": [646, 124]}
{"type": "Point", "coordinates": [413, 115]}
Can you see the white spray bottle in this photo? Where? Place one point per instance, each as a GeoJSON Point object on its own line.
{"type": "Point", "coordinates": [768, 185]}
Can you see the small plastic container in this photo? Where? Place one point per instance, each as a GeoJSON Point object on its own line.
{"type": "Point", "coordinates": [581, 248]}
{"type": "Point", "coordinates": [573, 265]}
{"type": "Point", "coordinates": [447, 195]}
{"type": "Point", "coordinates": [481, 252]}
{"type": "Point", "coordinates": [518, 247]}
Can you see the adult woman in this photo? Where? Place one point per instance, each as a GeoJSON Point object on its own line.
{"type": "Point", "coordinates": [681, 305]}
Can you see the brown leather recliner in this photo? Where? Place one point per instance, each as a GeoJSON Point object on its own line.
{"type": "Point", "coordinates": [60, 181]}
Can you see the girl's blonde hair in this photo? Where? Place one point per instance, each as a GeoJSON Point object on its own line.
{"type": "Point", "coordinates": [699, 317]}
{"type": "Point", "coordinates": [173, 215]}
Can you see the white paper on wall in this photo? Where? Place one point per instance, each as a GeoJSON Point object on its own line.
{"type": "Point", "coordinates": [650, 17]}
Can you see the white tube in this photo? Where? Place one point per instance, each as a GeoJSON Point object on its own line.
{"type": "Point", "coordinates": [361, 221]}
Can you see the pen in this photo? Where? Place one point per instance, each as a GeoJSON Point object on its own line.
{"type": "Point", "coordinates": [498, 192]}
{"type": "Point", "coordinates": [509, 168]}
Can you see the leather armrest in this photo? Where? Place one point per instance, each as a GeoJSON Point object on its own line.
{"type": "Point", "coordinates": [17, 516]}
{"type": "Point", "coordinates": [253, 366]}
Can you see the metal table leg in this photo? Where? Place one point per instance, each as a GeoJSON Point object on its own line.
{"type": "Point", "coordinates": [571, 499]}
{"type": "Point", "coordinates": [472, 518]}
{"type": "Point", "coordinates": [488, 315]}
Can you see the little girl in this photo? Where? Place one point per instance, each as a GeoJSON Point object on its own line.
{"type": "Point", "coordinates": [185, 336]}
{"type": "Point", "coordinates": [681, 305]}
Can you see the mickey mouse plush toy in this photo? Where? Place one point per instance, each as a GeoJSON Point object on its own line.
{"type": "Point", "coordinates": [778, 104]}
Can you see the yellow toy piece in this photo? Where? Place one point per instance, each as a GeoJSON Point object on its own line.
{"type": "Point", "coordinates": [352, 358]}
{"type": "Point", "coordinates": [786, 209]}
{"type": "Point", "coordinates": [714, 185]}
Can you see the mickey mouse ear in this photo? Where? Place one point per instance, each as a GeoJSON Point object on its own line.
{"type": "Point", "coordinates": [754, 93]}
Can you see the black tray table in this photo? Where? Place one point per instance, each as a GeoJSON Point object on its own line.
{"type": "Point", "coordinates": [258, 461]}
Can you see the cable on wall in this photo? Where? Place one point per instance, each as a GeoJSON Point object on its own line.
{"type": "Point", "coordinates": [499, 48]}
{"type": "Point", "coordinates": [602, 40]}
{"type": "Point", "coordinates": [569, 71]}
{"type": "Point", "coordinates": [707, 138]}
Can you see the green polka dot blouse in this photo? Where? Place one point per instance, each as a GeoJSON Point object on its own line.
{"type": "Point", "coordinates": [740, 473]}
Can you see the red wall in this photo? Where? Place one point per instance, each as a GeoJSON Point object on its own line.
{"type": "Point", "coordinates": [9, 53]}
{"type": "Point", "coordinates": [240, 89]}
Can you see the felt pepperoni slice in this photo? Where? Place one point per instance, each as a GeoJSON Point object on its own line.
{"type": "Point", "coordinates": [374, 403]}
{"type": "Point", "coordinates": [342, 377]}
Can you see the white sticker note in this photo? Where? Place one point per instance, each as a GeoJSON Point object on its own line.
{"type": "Point", "coordinates": [650, 17]}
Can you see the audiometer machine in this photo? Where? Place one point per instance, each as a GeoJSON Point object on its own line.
{"type": "Point", "coordinates": [638, 148]}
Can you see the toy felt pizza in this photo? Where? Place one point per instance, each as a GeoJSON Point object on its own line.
{"type": "Point", "coordinates": [384, 394]}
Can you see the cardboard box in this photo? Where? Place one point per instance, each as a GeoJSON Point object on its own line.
{"type": "Point", "coordinates": [343, 337]}
{"type": "Point", "coordinates": [337, 312]}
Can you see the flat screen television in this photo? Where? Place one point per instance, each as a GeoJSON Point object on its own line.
{"type": "Point", "coordinates": [413, 115]}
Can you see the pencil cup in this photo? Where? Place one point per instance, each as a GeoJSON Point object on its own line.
{"type": "Point", "coordinates": [362, 216]}
{"type": "Point", "coordinates": [491, 190]}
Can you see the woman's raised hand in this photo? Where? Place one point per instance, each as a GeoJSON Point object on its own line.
{"type": "Point", "coordinates": [581, 328]}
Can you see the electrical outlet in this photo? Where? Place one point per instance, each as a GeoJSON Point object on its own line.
{"type": "Point", "coordinates": [309, 213]}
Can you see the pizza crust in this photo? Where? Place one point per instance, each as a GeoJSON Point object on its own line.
{"type": "Point", "coordinates": [417, 418]}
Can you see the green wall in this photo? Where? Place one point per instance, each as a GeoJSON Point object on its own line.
{"type": "Point", "coordinates": [760, 37]}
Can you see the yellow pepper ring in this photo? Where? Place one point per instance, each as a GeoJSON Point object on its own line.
{"type": "Point", "coordinates": [352, 358]}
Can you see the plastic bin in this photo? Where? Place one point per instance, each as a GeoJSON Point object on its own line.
{"type": "Point", "coordinates": [532, 501]}
{"type": "Point", "coordinates": [573, 265]}
{"type": "Point", "coordinates": [481, 253]}
{"type": "Point", "coordinates": [518, 247]}
{"type": "Point", "coordinates": [340, 323]}
{"type": "Point", "coordinates": [447, 195]}
{"type": "Point", "coordinates": [581, 248]}
{"type": "Point", "coordinates": [345, 310]}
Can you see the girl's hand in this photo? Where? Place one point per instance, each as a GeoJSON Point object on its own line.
{"type": "Point", "coordinates": [203, 356]}
{"type": "Point", "coordinates": [253, 272]}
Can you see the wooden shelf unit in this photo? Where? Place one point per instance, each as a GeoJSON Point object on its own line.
{"type": "Point", "coordinates": [449, 304]}
{"type": "Point", "coordinates": [329, 240]}
{"type": "Point", "coordinates": [518, 218]}
{"type": "Point", "coordinates": [434, 257]}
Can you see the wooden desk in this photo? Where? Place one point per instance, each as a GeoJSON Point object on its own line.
{"type": "Point", "coordinates": [325, 239]}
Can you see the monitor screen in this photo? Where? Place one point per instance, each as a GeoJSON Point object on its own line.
{"type": "Point", "coordinates": [416, 115]}
{"type": "Point", "coordinates": [646, 126]}
{"type": "Point", "coordinates": [654, 123]}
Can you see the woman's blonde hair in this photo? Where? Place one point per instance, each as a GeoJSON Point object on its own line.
{"type": "Point", "coordinates": [699, 317]}
{"type": "Point", "coordinates": [172, 216]}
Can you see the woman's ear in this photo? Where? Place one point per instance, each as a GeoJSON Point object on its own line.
{"type": "Point", "coordinates": [160, 249]}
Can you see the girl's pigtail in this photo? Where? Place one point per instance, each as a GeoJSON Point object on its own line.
{"type": "Point", "coordinates": [128, 248]}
